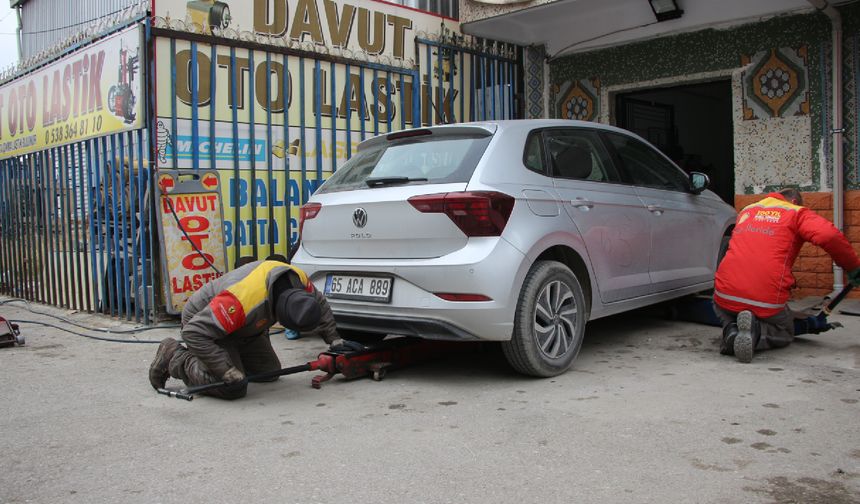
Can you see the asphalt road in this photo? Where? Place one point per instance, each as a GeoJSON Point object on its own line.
{"type": "Point", "coordinates": [649, 413]}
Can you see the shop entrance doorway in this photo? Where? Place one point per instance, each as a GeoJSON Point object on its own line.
{"type": "Point", "coordinates": [691, 124]}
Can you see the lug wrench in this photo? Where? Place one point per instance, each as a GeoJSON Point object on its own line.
{"type": "Point", "coordinates": [818, 324]}
{"type": "Point", "coordinates": [838, 299]}
{"type": "Point", "coordinates": [188, 393]}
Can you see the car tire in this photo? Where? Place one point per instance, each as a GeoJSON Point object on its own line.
{"type": "Point", "coordinates": [552, 299]}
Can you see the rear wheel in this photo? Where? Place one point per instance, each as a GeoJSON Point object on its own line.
{"type": "Point", "coordinates": [549, 324]}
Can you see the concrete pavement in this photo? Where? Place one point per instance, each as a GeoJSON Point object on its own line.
{"type": "Point", "coordinates": [649, 413]}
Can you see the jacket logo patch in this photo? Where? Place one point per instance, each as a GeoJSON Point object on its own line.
{"type": "Point", "coordinates": [228, 311]}
{"type": "Point", "coordinates": [769, 216]}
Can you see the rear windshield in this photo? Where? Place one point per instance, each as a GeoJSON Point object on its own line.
{"type": "Point", "coordinates": [426, 160]}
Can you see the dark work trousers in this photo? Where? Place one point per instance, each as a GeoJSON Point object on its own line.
{"type": "Point", "coordinates": [776, 331]}
{"type": "Point", "coordinates": [251, 355]}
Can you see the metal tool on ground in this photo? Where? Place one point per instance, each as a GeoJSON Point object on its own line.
{"type": "Point", "coordinates": [374, 361]}
{"type": "Point", "coordinates": [818, 323]}
{"type": "Point", "coordinates": [838, 299]}
{"type": "Point", "coordinates": [700, 309]}
{"type": "Point", "coordinates": [10, 335]}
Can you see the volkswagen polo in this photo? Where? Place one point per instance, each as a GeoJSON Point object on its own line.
{"type": "Point", "coordinates": [512, 231]}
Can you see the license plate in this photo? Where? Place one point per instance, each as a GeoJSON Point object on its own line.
{"type": "Point", "coordinates": [366, 288]}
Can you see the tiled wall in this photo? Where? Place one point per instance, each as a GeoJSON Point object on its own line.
{"type": "Point", "coordinates": [534, 81]}
{"type": "Point", "coordinates": [780, 76]}
{"type": "Point", "coordinates": [781, 84]}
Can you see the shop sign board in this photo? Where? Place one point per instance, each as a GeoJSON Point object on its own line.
{"type": "Point", "coordinates": [375, 28]}
{"type": "Point", "coordinates": [95, 91]}
{"type": "Point", "coordinates": [196, 256]}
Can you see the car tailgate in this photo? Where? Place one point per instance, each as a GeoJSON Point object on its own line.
{"type": "Point", "coordinates": [380, 223]}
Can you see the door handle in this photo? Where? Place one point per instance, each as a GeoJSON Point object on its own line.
{"type": "Point", "coordinates": [654, 209]}
{"type": "Point", "coordinates": [582, 203]}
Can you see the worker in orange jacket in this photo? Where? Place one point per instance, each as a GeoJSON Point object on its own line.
{"type": "Point", "coordinates": [754, 281]}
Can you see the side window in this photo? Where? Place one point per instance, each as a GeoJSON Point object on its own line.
{"type": "Point", "coordinates": [646, 167]}
{"type": "Point", "coordinates": [579, 155]}
{"type": "Point", "coordinates": [533, 155]}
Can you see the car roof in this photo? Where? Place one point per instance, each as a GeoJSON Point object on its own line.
{"type": "Point", "coordinates": [494, 127]}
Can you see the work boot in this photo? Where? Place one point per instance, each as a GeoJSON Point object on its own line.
{"type": "Point", "coordinates": [747, 336]}
{"type": "Point", "coordinates": [158, 370]}
{"type": "Point", "coordinates": [727, 343]}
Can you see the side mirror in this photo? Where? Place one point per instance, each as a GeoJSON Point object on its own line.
{"type": "Point", "coordinates": [699, 182]}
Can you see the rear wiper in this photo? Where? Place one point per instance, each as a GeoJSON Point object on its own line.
{"type": "Point", "coordinates": [383, 181]}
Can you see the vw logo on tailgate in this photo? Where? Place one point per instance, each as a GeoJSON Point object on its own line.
{"type": "Point", "coordinates": [359, 217]}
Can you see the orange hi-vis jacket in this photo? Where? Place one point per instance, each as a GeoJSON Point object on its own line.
{"type": "Point", "coordinates": [755, 273]}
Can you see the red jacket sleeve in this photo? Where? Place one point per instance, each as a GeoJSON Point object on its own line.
{"type": "Point", "coordinates": [820, 231]}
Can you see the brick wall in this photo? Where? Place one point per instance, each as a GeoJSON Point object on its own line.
{"type": "Point", "coordinates": [813, 268]}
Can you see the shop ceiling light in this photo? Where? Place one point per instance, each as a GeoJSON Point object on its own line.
{"type": "Point", "coordinates": [665, 9]}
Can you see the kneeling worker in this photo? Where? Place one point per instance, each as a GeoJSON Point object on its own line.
{"type": "Point", "coordinates": [753, 282]}
{"type": "Point", "coordinates": [225, 327]}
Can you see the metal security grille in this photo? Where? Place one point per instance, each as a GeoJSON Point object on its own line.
{"type": "Point", "coordinates": [75, 226]}
{"type": "Point", "coordinates": [476, 81]}
{"type": "Point", "coordinates": [277, 121]}
{"type": "Point", "coordinates": [77, 221]}
{"type": "Point", "coordinates": [447, 8]}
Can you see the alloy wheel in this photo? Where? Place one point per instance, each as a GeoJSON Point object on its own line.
{"type": "Point", "coordinates": [555, 319]}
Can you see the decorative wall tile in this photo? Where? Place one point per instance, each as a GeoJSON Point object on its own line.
{"type": "Point", "coordinates": [773, 153]}
{"type": "Point", "coordinates": [534, 61]}
{"type": "Point", "coordinates": [825, 112]}
{"type": "Point", "coordinates": [579, 100]}
{"type": "Point", "coordinates": [779, 149]}
{"type": "Point", "coordinates": [851, 103]}
{"type": "Point", "coordinates": [776, 83]}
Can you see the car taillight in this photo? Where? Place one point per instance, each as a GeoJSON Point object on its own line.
{"type": "Point", "coordinates": [476, 213]}
{"type": "Point", "coordinates": [307, 212]}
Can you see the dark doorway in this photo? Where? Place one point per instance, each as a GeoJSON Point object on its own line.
{"type": "Point", "coordinates": [690, 124]}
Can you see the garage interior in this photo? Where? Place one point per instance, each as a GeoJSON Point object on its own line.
{"type": "Point", "coordinates": [692, 124]}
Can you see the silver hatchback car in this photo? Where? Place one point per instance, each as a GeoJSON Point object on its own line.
{"type": "Point", "coordinates": [511, 231]}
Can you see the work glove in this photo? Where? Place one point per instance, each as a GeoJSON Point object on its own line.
{"type": "Point", "coordinates": [342, 345]}
{"type": "Point", "coordinates": [854, 277]}
{"type": "Point", "coordinates": [233, 376]}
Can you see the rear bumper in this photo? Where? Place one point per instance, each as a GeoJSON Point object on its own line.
{"type": "Point", "coordinates": [402, 325]}
{"type": "Point", "coordinates": [487, 266]}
